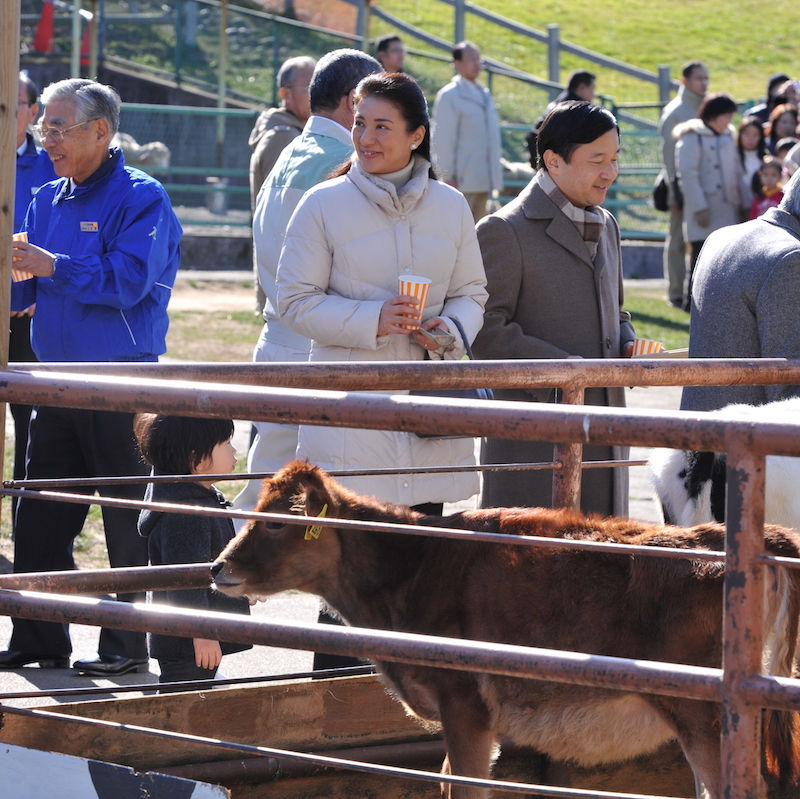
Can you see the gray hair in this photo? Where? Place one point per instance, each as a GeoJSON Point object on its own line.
{"type": "Point", "coordinates": [290, 68]}
{"type": "Point", "coordinates": [791, 196]}
{"type": "Point", "coordinates": [337, 73]}
{"type": "Point", "coordinates": [92, 100]}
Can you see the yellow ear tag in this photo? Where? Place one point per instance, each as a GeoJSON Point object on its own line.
{"type": "Point", "coordinates": [315, 530]}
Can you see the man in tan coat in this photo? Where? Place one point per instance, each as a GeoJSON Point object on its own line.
{"type": "Point", "coordinates": [466, 132]}
{"type": "Point", "coordinates": [554, 270]}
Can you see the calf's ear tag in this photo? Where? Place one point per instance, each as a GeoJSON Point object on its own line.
{"type": "Point", "coordinates": [314, 530]}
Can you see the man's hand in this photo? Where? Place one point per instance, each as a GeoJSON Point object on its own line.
{"type": "Point", "coordinates": [29, 258]}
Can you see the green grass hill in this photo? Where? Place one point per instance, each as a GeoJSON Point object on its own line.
{"type": "Point", "coordinates": [742, 41]}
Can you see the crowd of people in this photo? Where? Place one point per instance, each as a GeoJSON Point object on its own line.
{"type": "Point", "coordinates": [356, 188]}
{"type": "Point", "coordinates": [719, 175]}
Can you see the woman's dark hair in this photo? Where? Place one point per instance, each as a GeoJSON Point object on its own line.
{"type": "Point", "coordinates": [177, 444]}
{"type": "Point", "coordinates": [775, 115]}
{"type": "Point", "coordinates": [404, 93]}
{"type": "Point", "coordinates": [571, 124]}
{"type": "Point", "coordinates": [752, 122]}
{"type": "Point", "coordinates": [715, 105]}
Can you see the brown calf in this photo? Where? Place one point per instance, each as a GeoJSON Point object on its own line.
{"type": "Point", "coordinates": [607, 604]}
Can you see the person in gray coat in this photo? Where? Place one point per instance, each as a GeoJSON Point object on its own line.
{"type": "Point", "coordinates": [554, 270]}
{"type": "Point", "coordinates": [182, 445]}
{"type": "Point", "coordinates": [745, 300]}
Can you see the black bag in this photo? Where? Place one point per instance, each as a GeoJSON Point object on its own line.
{"type": "Point", "coordinates": [661, 192]}
{"type": "Point", "coordinates": [454, 393]}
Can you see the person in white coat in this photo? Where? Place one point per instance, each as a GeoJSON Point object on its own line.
{"type": "Point", "coordinates": [348, 242]}
{"type": "Point", "coordinates": [709, 174]}
{"type": "Point", "coordinates": [466, 134]}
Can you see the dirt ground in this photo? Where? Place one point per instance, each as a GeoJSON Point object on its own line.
{"type": "Point", "coordinates": [192, 293]}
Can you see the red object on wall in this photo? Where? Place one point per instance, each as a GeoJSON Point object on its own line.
{"type": "Point", "coordinates": [85, 45]}
{"type": "Point", "coordinates": [43, 40]}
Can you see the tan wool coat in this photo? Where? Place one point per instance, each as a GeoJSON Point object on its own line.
{"type": "Point", "coordinates": [547, 299]}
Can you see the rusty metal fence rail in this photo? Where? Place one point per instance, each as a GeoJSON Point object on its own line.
{"type": "Point", "coordinates": [739, 685]}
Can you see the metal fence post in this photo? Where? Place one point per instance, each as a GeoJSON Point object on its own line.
{"type": "Point", "coordinates": [664, 89]}
{"type": "Point", "coordinates": [362, 24]}
{"type": "Point", "coordinates": [553, 53]}
{"type": "Point", "coordinates": [567, 478]}
{"type": "Point", "coordinates": [459, 22]}
{"type": "Point", "coordinates": [744, 607]}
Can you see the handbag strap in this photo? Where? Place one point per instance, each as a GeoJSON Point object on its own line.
{"type": "Point", "coordinates": [463, 335]}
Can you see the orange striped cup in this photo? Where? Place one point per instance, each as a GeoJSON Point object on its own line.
{"type": "Point", "coordinates": [644, 346]}
{"type": "Point", "coordinates": [16, 274]}
{"type": "Point", "coordinates": [417, 287]}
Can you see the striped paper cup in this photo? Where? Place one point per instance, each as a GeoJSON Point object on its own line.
{"type": "Point", "coordinates": [644, 346]}
{"type": "Point", "coordinates": [16, 274]}
{"type": "Point", "coordinates": [417, 287]}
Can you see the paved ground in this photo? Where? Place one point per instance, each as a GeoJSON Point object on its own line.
{"type": "Point", "coordinates": [288, 607]}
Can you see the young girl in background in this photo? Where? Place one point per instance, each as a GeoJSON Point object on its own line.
{"type": "Point", "coordinates": [752, 146]}
{"type": "Point", "coordinates": [181, 445]}
{"type": "Point", "coordinates": [767, 186]}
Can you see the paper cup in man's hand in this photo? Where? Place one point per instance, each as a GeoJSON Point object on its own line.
{"type": "Point", "coordinates": [416, 287]}
{"type": "Point", "coordinates": [18, 275]}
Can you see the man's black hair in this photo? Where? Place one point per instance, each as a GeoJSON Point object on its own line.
{"type": "Point", "coordinates": [382, 42]}
{"type": "Point", "coordinates": [571, 124]}
{"type": "Point", "coordinates": [580, 77]}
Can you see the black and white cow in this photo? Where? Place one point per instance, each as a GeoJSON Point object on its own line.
{"type": "Point", "coordinates": [691, 485]}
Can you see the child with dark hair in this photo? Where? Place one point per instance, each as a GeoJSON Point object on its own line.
{"type": "Point", "coordinates": [767, 187]}
{"type": "Point", "coordinates": [182, 445]}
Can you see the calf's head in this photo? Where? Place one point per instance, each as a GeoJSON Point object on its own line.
{"type": "Point", "coordinates": [272, 556]}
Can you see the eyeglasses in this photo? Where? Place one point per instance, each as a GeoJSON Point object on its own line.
{"type": "Point", "coordinates": [56, 134]}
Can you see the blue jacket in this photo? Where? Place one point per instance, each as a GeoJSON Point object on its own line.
{"type": "Point", "coordinates": [34, 169]}
{"type": "Point", "coordinates": [117, 245]}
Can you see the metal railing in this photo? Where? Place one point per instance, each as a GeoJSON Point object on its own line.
{"type": "Point", "coordinates": [739, 685]}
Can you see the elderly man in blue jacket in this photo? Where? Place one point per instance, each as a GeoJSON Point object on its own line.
{"type": "Point", "coordinates": [103, 249]}
{"type": "Point", "coordinates": [34, 169]}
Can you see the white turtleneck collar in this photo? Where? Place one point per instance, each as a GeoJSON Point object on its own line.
{"type": "Point", "coordinates": [401, 177]}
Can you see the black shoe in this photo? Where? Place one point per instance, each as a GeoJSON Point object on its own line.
{"type": "Point", "coordinates": [11, 659]}
{"type": "Point", "coordinates": [110, 666]}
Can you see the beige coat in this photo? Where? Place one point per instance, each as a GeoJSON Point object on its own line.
{"type": "Point", "coordinates": [710, 176]}
{"type": "Point", "coordinates": [548, 300]}
{"type": "Point", "coordinates": [466, 137]}
{"type": "Point", "coordinates": [348, 242]}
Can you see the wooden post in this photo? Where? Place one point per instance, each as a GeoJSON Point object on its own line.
{"type": "Point", "coordinates": [9, 87]}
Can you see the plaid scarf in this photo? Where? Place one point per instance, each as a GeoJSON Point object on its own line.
{"type": "Point", "coordinates": [589, 220]}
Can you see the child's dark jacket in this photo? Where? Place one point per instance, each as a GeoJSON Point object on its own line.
{"type": "Point", "coordinates": [175, 538]}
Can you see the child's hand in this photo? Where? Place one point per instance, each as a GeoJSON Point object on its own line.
{"type": "Point", "coordinates": [207, 654]}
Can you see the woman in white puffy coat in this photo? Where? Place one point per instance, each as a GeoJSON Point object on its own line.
{"type": "Point", "coordinates": [348, 242]}
{"type": "Point", "coordinates": [709, 174]}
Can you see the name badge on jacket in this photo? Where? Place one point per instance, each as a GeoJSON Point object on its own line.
{"type": "Point", "coordinates": [88, 227]}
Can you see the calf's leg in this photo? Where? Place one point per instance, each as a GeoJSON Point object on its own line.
{"type": "Point", "coordinates": [468, 739]}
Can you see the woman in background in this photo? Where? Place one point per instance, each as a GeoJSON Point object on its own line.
{"type": "Point", "coordinates": [709, 174]}
{"type": "Point", "coordinates": [385, 216]}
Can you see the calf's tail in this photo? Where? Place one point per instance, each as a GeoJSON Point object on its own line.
{"type": "Point", "coordinates": [782, 728]}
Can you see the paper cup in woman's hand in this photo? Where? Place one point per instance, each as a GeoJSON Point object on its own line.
{"type": "Point", "coordinates": [416, 287]}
